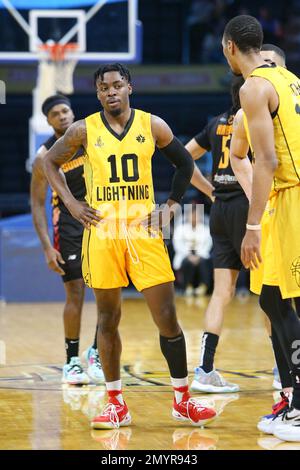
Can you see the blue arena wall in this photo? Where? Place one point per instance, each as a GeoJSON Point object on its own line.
{"type": "Point", "coordinates": [24, 276]}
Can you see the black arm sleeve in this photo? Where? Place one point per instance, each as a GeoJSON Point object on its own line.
{"type": "Point", "coordinates": [177, 154]}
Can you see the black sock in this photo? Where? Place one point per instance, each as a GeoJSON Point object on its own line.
{"type": "Point", "coordinates": [208, 350]}
{"type": "Point", "coordinates": [281, 362]}
{"type": "Point", "coordinates": [72, 348]}
{"type": "Point", "coordinates": [95, 339]}
{"type": "Point", "coordinates": [174, 351]}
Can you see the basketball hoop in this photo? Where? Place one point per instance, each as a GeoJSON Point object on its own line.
{"type": "Point", "coordinates": [58, 52]}
{"type": "Point", "coordinates": [56, 66]}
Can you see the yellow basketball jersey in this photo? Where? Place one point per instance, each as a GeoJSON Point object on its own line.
{"type": "Point", "coordinates": [118, 168]}
{"type": "Point", "coordinates": [286, 124]}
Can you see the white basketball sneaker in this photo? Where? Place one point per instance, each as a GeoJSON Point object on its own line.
{"type": "Point", "coordinates": [94, 370]}
{"type": "Point", "coordinates": [268, 423]}
{"type": "Point", "coordinates": [211, 382]}
{"type": "Point", "coordinates": [73, 373]}
{"type": "Point", "coordinates": [289, 428]}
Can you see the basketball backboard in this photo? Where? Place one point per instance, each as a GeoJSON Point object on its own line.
{"type": "Point", "coordinates": [105, 30]}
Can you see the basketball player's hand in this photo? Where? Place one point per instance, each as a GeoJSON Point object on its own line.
{"type": "Point", "coordinates": [53, 257]}
{"type": "Point", "coordinates": [85, 214]}
{"type": "Point", "coordinates": [157, 219]}
{"type": "Point", "coordinates": [153, 221]}
{"type": "Point", "coordinates": [250, 250]}
{"type": "Point", "coordinates": [160, 218]}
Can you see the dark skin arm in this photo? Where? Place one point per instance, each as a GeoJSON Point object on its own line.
{"type": "Point", "coordinates": [61, 152]}
{"type": "Point", "coordinates": [38, 193]}
{"type": "Point", "coordinates": [258, 100]}
{"type": "Point", "coordinates": [239, 160]}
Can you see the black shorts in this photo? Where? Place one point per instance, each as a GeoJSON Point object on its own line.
{"type": "Point", "coordinates": [68, 241]}
{"type": "Point", "coordinates": [227, 227]}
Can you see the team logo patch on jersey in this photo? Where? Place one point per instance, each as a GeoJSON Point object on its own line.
{"type": "Point", "coordinates": [72, 257]}
{"type": "Point", "coordinates": [141, 139]}
{"type": "Point", "coordinates": [99, 142]}
{"type": "Point", "coordinates": [295, 268]}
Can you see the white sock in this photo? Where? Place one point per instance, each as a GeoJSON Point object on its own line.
{"type": "Point", "coordinates": [177, 383]}
{"type": "Point", "coordinates": [116, 385]}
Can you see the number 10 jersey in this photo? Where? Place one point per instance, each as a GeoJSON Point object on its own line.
{"type": "Point", "coordinates": [118, 167]}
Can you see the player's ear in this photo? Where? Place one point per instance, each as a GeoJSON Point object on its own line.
{"type": "Point", "coordinates": [130, 89]}
{"type": "Point", "coordinates": [231, 46]}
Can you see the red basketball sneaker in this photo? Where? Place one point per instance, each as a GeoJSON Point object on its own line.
{"type": "Point", "coordinates": [192, 410]}
{"type": "Point", "coordinates": [114, 415]}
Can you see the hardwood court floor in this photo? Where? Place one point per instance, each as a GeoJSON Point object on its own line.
{"type": "Point", "coordinates": [37, 412]}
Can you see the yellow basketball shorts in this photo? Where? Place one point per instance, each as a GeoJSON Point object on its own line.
{"type": "Point", "coordinates": [111, 253]}
{"type": "Point", "coordinates": [281, 257]}
{"type": "Point", "coordinates": [257, 275]}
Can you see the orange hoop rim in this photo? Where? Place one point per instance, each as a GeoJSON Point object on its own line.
{"type": "Point", "coordinates": [58, 51]}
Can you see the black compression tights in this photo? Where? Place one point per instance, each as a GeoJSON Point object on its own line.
{"type": "Point", "coordinates": [286, 324]}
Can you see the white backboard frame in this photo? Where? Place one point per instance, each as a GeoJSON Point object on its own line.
{"type": "Point", "coordinates": [84, 57]}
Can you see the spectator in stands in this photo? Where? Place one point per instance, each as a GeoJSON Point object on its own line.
{"type": "Point", "coordinates": [192, 244]}
{"type": "Point", "coordinates": [271, 26]}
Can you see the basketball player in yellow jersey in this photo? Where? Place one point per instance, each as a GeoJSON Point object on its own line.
{"type": "Point", "coordinates": [119, 143]}
{"type": "Point", "coordinates": [270, 99]}
{"type": "Point", "coordinates": [243, 170]}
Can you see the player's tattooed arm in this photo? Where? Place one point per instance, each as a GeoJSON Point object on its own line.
{"type": "Point", "coordinates": [66, 147]}
{"type": "Point", "coordinates": [62, 151]}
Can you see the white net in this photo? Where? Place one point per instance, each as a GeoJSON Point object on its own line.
{"type": "Point", "coordinates": [55, 72]}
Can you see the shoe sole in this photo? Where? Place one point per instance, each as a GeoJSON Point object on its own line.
{"type": "Point", "coordinates": [178, 417]}
{"type": "Point", "coordinates": [286, 435]}
{"type": "Point", "coordinates": [266, 430]}
{"type": "Point", "coordinates": [126, 422]}
{"type": "Point", "coordinates": [196, 387]}
{"type": "Point", "coordinates": [65, 381]}
{"type": "Point", "coordinates": [97, 381]}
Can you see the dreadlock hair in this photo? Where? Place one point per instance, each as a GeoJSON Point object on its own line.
{"type": "Point", "coordinates": [115, 67]}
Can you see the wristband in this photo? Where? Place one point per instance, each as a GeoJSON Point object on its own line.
{"type": "Point", "coordinates": [253, 227]}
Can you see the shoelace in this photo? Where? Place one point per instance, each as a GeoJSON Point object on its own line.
{"type": "Point", "coordinates": [97, 360]}
{"type": "Point", "coordinates": [281, 404]}
{"type": "Point", "coordinates": [76, 368]}
{"type": "Point", "coordinates": [281, 412]}
{"type": "Point", "coordinates": [222, 380]}
{"type": "Point", "coordinates": [200, 406]}
{"type": "Point", "coordinates": [110, 410]}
